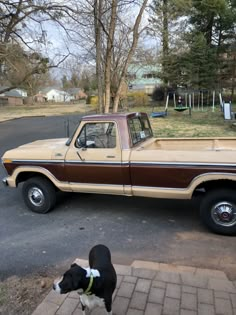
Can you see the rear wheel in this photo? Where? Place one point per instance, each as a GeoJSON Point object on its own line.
{"type": "Point", "coordinates": [218, 211]}
{"type": "Point", "coordinates": [39, 194]}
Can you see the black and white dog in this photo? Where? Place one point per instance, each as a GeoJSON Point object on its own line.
{"type": "Point", "coordinates": [96, 283]}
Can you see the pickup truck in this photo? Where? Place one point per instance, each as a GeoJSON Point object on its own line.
{"type": "Point", "coordinates": [117, 154]}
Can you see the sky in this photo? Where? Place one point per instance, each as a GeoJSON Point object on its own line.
{"type": "Point", "coordinates": [57, 44]}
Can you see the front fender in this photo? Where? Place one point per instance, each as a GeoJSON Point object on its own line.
{"type": "Point", "coordinates": [13, 179]}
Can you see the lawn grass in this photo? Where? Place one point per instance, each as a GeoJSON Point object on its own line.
{"type": "Point", "coordinates": [199, 124]}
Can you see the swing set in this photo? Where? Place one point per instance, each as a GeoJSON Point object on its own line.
{"type": "Point", "coordinates": [180, 106]}
{"type": "Point", "coordinates": [191, 101]}
{"type": "Point", "coordinates": [160, 114]}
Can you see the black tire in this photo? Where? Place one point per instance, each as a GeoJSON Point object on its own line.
{"type": "Point", "coordinates": [39, 194]}
{"type": "Point", "coordinates": [218, 211]}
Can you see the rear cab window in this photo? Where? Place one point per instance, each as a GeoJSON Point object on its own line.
{"type": "Point", "coordinates": [139, 129]}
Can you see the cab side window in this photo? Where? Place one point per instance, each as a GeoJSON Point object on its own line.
{"type": "Point", "coordinates": [97, 135]}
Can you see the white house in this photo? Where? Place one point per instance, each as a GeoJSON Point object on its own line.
{"type": "Point", "coordinates": [55, 95]}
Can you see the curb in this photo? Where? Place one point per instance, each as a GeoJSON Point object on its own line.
{"type": "Point", "coordinates": [15, 118]}
{"type": "Point", "coordinates": [48, 115]}
{"type": "Point", "coordinates": [170, 268]}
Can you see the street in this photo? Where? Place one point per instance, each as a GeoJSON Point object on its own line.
{"type": "Point", "coordinates": [166, 231]}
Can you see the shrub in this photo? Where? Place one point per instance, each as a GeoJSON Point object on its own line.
{"type": "Point", "coordinates": [92, 100]}
{"type": "Point", "coordinates": [159, 93]}
{"type": "Point", "coordinates": [138, 98]}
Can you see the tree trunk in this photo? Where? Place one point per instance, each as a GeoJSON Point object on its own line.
{"type": "Point", "coordinates": [165, 45]}
{"type": "Point", "coordinates": [110, 42]}
{"type": "Point", "coordinates": [219, 44]}
{"type": "Point", "coordinates": [165, 34]}
{"type": "Point", "coordinates": [97, 19]}
{"type": "Point", "coordinates": [130, 55]}
{"type": "Point", "coordinates": [209, 30]}
{"type": "Point", "coordinates": [233, 79]}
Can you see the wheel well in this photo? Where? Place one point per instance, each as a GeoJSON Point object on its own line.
{"type": "Point", "coordinates": [215, 184]}
{"type": "Point", "coordinates": [22, 177]}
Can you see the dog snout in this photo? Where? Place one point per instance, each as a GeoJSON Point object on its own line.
{"type": "Point", "coordinates": [56, 286]}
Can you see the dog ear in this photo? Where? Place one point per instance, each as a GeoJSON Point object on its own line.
{"type": "Point", "coordinates": [73, 265]}
{"type": "Point", "coordinates": [78, 274]}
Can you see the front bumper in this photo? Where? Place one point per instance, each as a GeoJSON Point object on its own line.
{"type": "Point", "coordinates": [5, 181]}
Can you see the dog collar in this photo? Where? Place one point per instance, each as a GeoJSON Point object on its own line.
{"type": "Point", "coordinates": [90, 272]}
{"type": "Point", "coordinates": [87, 291]}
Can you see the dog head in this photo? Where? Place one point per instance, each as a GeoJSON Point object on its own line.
{"type": "Point", "coordinates": [72, 280]}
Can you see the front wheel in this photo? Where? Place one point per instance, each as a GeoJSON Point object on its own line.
{"type": "Point", "coordinates": [39, 194]}
{"type": "Point", "coordinates": [218, 211]}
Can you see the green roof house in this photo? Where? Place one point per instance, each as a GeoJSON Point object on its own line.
{"type": "Point", "coordinates": [143, 78]}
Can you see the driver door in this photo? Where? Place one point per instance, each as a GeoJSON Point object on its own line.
{"type": "Point", "coordinates": [93, 161]}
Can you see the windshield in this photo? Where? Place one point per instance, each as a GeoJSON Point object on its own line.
{"type": "Point", "coordinates": [68, 142]}
{"type": "Point", "coordinates": [140, 129]}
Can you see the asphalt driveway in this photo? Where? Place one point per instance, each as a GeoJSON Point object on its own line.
{"type": "Point", "coordinates": [134, 228]}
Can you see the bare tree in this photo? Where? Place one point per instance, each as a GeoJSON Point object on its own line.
{"type": "Point", "coordinates": [133, 46]}
{"type": "Point", "coordinates": [98, 27]}
{"type": "Point", "coordinates": [111, 45]}
{"type": "Point", "coordinates": [98, 5]}
{"type": "Point", "coordinates": [23, 35]}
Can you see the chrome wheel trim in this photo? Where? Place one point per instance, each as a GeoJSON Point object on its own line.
{"type": "Point", "coordinates": [224, 213]}
{"type": "Point", "coordinates": [36, 196]}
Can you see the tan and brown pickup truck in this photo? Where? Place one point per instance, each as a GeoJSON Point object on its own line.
{"type": "Point", "coordinates": [117, 154]}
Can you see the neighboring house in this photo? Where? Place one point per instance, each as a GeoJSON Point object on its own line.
{"type": "Point", "coordinates": [40, 98]}
{"type": "Point", "coordinates": [55, 95]}
{"type": "Point", "coordinates": [76, 94]}
{"type": "Point", "coordinates": [143, 78]}
{"type": "Point", "coordinates": [12, 97]}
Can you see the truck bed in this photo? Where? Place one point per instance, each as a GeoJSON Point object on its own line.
{"type": "Point", "coordinates": [191, 144]}
{"type": "Point", "coordinates": [186, 150]}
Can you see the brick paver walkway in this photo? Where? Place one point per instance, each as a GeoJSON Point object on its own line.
{"type": "Point", "coordinates": [147, 288]}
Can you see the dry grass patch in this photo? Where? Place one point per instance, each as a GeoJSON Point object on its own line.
{"type": "Point", "coordinates": [20, 296]}
{"type": "Point", "coordinates": [11, 112]}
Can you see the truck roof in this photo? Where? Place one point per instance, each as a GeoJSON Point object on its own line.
{"type": "Point", "coordinates": [121, 120]}
{"type": "Point", "coordinates": [113, 116]}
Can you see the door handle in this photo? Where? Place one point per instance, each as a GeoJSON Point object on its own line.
{"type": "Point", "coordinates": [110, 156]}
{"type": "Point", "coordinates": [80, 156]}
